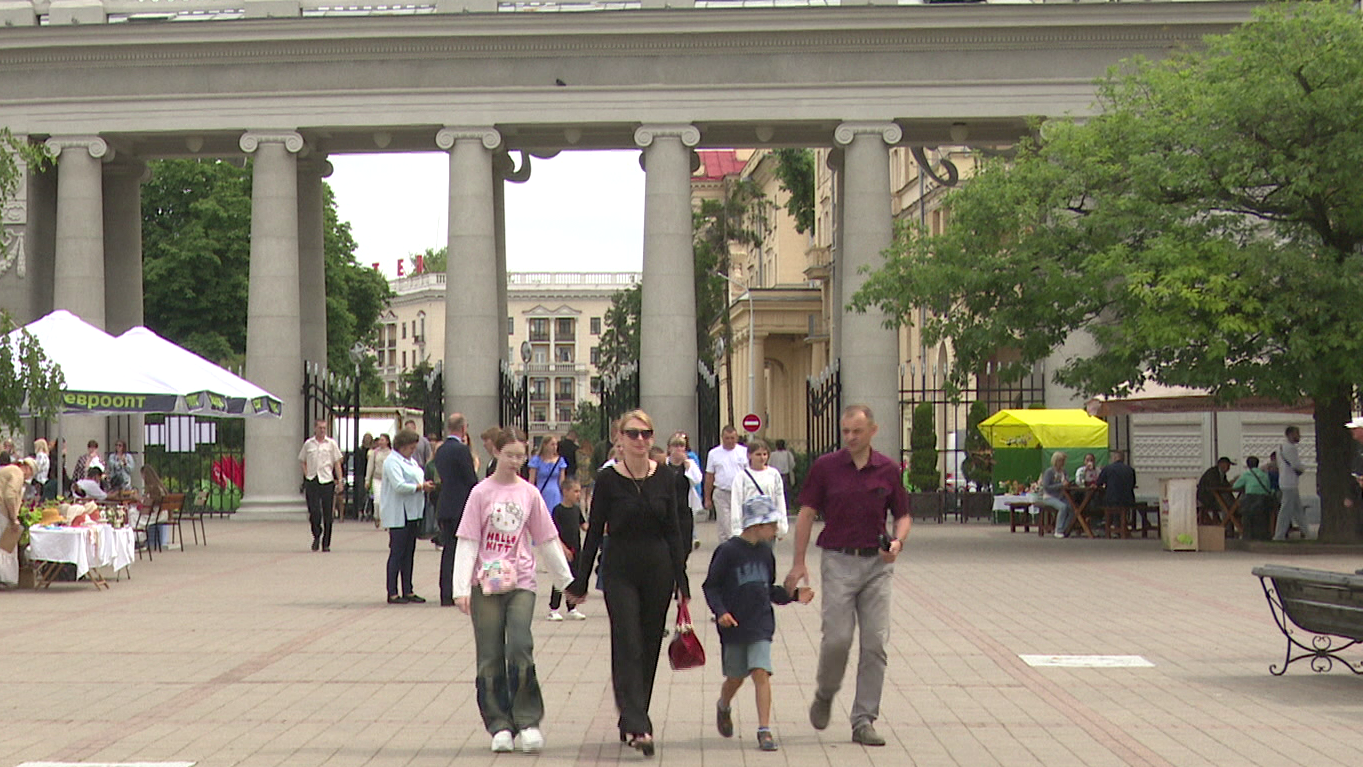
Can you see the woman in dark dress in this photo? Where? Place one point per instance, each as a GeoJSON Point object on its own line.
{"type": "Point", "coordinates": [643, 568]}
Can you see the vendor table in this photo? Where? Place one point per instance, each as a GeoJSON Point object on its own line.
{"type": "Point", "coordinates": [88, 548]}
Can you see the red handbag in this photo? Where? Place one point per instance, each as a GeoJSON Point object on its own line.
{"type": "Point", "coordinates": [685, 650]}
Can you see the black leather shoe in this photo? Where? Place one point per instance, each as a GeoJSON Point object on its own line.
{"type": "Point", "coordinates": [447, 603]}
{"type": "Point", "coordinates": [316, 544]}
{"type": "Point", "coordinates": [414, 599]}
{"type": "Point", "coordinates": [395, 600]}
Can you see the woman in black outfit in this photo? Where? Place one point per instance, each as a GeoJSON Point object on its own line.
{"type": "Point", "coordinates": [643, 568]}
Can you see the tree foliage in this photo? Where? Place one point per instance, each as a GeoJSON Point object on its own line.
{"type": "Point", "coordinates": [979, 461]}
{"type": "Point", "coordinates": [196, 244]}
{"type": "Point", "coordinates": [430, 260]}
{"type": "Point", "coordinates": [29, 382]}
{"type": "Point", "coordinates": [1204, 227]}
{"type": "Point", "coordinates": [923, 473]}
{"type": "Point", "coordinates": [795, 169]}
{"type": "Point", "coordinates": [620, 337]}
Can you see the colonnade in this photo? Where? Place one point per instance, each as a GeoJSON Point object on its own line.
{"type": "Point", "coordinates": [98, 242]}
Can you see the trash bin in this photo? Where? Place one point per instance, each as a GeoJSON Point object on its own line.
{"type": "Point", "coordinates": [1178, 514]}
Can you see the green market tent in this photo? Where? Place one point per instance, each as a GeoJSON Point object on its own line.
{"type": "Point", "coordinates": [1025, 440]}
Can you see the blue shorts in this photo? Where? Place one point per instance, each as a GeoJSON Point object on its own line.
{"type": "Point", "coordinates": [737, 659]}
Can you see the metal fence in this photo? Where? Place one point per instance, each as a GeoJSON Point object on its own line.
{"type": "Point", "coordinates": [707, 410]}
{"type": "Point", "coordinates": [823, 403]}
{"type": "Point", "coordinates": [619, 395]}
{"type": "Point", "coordinates": [921, 383]}
{"type": "Point", "coordinates": [194, 454]}
{"type": "Point", "coordinates": [513, 399]}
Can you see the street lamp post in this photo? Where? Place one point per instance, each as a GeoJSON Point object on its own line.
{"type": "Point", "coordinates": [752, 346]}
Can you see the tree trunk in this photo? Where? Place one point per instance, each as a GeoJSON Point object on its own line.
{"type": "Point", "coordinates": [1334, 448]}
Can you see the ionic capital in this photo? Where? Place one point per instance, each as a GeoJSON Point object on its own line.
{"type": "Point", "coordinates": [889, 132]}
{"type": "Point", "coordinates": [251, 140]}
{"type": "Point", "coordinates": [446, 137]}
{"type": "Point", "coordinates": [129, 168]}
{"type": "Point", "coordinates": [96, 146]}
{"type": "Point", "coordinates": [645, 134]}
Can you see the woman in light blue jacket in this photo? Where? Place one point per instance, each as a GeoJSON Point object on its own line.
{"type": "Point", "coordinates": [401, 505]}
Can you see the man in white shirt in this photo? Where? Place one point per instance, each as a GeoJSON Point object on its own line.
{"type": "Point", "coordinates": [1289, 480]}
{"type": "Point", "coordinates": [723, 463]}
{"type": "Point", "coordinates": [322, 475]}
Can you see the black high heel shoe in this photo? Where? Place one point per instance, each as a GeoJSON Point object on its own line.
{"type": "Point", "coordinates": [643, 743]}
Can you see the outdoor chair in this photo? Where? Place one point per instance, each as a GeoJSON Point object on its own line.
{"type": "Point", "coordinates": [195, 514]}
{"type": "Point", "coordinates": [147, 518]}
{"type": "Point", "coordinates": [172, 505]}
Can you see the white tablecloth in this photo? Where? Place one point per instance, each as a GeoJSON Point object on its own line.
{"type": "Point", "coordinates": [1001, 501]}
{"type": "Point", "coordinates": [84, 547]}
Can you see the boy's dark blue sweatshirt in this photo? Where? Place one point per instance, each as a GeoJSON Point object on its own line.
{"type": "Point", "coordinates": [742, 582]}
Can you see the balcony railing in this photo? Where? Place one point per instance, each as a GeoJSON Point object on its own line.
{"type": "Point", "coordinates": [561, 368]}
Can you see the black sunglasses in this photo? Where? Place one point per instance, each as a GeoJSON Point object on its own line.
{"type": "Point", "coordinates": [637, 433]}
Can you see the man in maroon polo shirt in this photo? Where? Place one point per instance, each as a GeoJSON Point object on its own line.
{"type": "Point", "coordinates": [854, 488]}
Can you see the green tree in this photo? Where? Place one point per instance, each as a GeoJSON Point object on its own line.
{"type": "Point", "coordinates": [795, 169]}
{"type": "Point", "coordinates": [29, 382]}
{"type": "Point", "coordinates": [979, 461]}
{"type": "Point", "coordinates": [433, 260]}
{"type": "Point", "coordinates": [1205, 227]}
{"type": "Point", "coordinates": [196, 244]}
{"type": "Point", "coordinates": [717, 226]}
{"type": "Point", "coordinates": [923, 473]}
{"type": "Point", "coordinates": [620, 337]}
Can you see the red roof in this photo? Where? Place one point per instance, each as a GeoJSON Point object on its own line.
{"type": "Point", "coordinates": [717, 163]}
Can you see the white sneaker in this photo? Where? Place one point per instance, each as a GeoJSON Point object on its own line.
{"type": "Point", "coordinates": [1059, 535]}
{"type": "Point", "coordinates": [554, 615]}
{"type": "Point", "coordinates": [577, 614]}
{"type": "Point", "coordinates": [503, 742]}
{"type": "Point", "coordinates": [532, 740]}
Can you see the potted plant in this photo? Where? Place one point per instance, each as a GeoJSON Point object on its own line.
{"type": "Point", "coordinates": [922, 479]}
{"type": "Point", "coordinates": [978, 466]}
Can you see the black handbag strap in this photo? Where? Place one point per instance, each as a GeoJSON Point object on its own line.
{"type": "Point", "coordinates": [754, 482]}
{"type": "Point", "coordinates": [549, 474]}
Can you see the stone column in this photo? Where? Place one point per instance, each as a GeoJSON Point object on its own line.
{"type": "Point", "coordinates": [870, 352]}
{"type": "Point", "coordinates": [79, 279]}
{"type": "Point", "coordinates": [78, 282]}
{"type": "Point", "coordinates": [16, 293]}
{"type": "Point", "coordinates": [667, 355]}
{"type": "Point", "coordinates": [123, 244]}
{"type": "Point", "coordinates": [312, 278]}
{"type": "Point", "coordinates": [273, 335]}
{"type": "Point", "coordinates": [123, 299]}
{"type": "Point", "coordinates": [473, 350]}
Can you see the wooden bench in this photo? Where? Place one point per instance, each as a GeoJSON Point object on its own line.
{"type": "Point", "coordinates": [1327, 604]}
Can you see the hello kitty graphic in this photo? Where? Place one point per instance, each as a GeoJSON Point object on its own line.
{"type": "Point", "coordinates": [507, 517]}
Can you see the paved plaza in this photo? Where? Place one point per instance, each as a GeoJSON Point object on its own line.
{"type": "Point", "coordinates": [256, 651]}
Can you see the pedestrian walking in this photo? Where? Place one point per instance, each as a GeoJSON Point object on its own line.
{"type": "Point", "coordinates": [320, 457]}
{"type": "Point", "coordinates": [854, 488]}
{"type": "Point", "coordinates": [494, 582]}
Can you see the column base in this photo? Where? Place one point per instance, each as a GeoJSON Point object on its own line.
{"type": "Point", "coordinates": [273, 507]}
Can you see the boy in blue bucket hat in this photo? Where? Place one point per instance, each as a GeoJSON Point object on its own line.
{"type": "Point", "coordinates": [740, 589]}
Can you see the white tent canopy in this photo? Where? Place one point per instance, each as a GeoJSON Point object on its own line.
{"type": "Point", "coordinates": [207, 388]}
{"type": "Point", "coordinates": [99, 380]}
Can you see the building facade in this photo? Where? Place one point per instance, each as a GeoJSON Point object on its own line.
{"type": "Point", "coordinates": [554, 326]}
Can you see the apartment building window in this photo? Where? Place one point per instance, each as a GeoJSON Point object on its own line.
{"type": "Point", "coordinates": [596, 326]}
{"type": "Point", "coordinates": [563, 388]}
{"type": "Point", "coordinates": [390, 345]}
{"type": "Point", "coordinates": [564, 328]}
{"type": "Point", "coordinates": [539, 389]}
{"type": "Point", "coordinates": [596, 355]}
{"type": "Point", "coordinates": [539, 328]}
{"type": "Point", "coordinates": [539, 413]}
{"type": "Point", "coordinates": [404, 329]}
{"type": "Point", "coordinates": [565, 412]}
{"type": "Point", "coordinates": [563, 354]}
{"type": "Point", "coordinates": [419, 327]}
{"type": "Point", "coordinates": [511, 326]}
{"type": "Point", "coordinates": [540, 355]}
{"type": "Point", "coordinates": [596, 384]}
{"type": "Point", "coordinates": [404, 360]}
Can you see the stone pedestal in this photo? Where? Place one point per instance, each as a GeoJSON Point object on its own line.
{"type": "Point", "coordinates": [869, 351]}
{"type": "Point", "coordinates": [472, 349]}
{"type": "Point", "coordinates": [667, 334]}
{"type": "Point", "coordinates": [273, 337]}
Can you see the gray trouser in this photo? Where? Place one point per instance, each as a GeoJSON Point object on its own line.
{"type": "Point", "coordinates": [1291, 511]}
{"type": "Point", "coordinates": [724, 521]}
{"type": "Point", "coordinates": [856, 592]}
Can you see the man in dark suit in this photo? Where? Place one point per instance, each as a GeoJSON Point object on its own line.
{"type": "Point", "coordinates": [454, 463]}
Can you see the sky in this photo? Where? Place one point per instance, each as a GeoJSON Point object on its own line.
{"type": "Point", "coordinates": [579, 211]}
